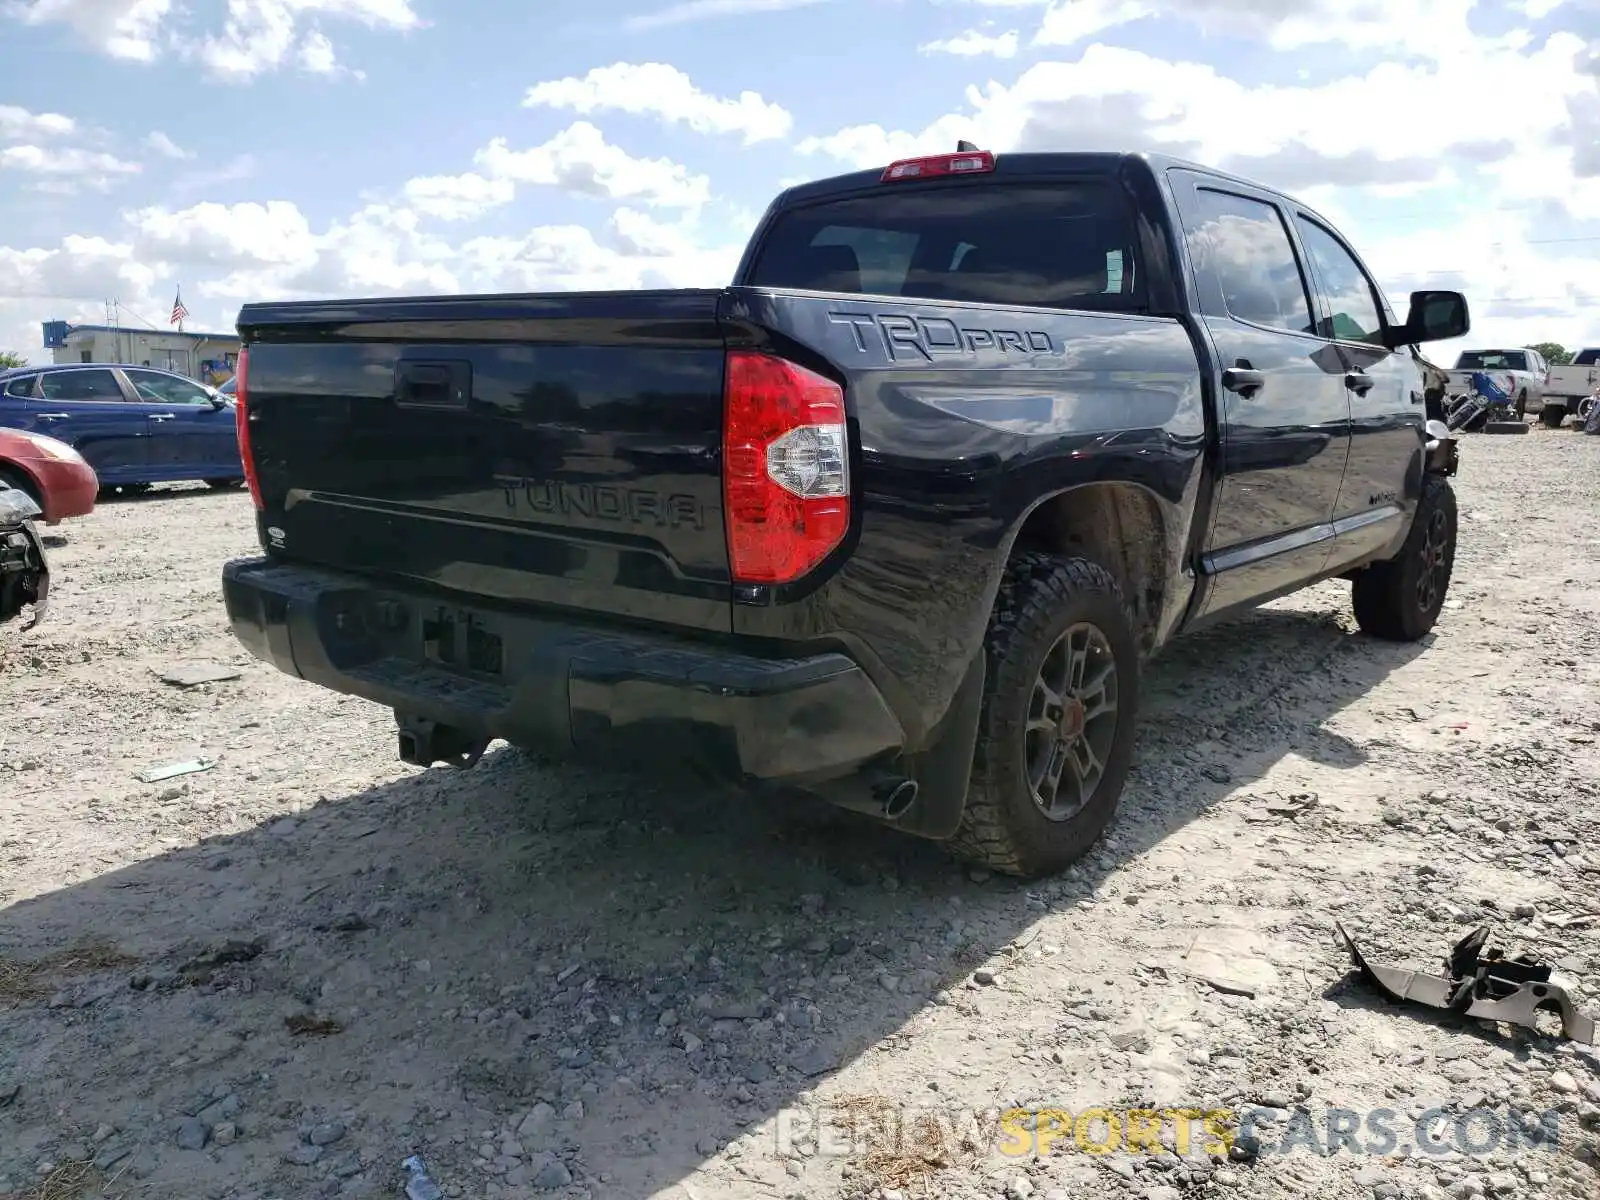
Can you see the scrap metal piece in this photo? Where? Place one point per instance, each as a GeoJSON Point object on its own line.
{"type": "Point", "coordinates": [173, 770]}
{"type": "Point", "coordinates": [1483, 984]}
{"type": "Point", "coordinates": [193, 674]}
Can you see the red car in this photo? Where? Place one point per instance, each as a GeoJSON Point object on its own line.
{"type": "Point", "coordinates": [50, 471]}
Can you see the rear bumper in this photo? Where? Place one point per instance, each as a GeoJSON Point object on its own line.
{"type": "Point", "coordinates": [561, 686]}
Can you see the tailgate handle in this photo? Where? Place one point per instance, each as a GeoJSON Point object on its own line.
{"type": "Point", "coordinates": [420, 384]}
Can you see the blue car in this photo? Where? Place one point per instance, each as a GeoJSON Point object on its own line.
{"type": "Point", "coordinates": [135, 425]}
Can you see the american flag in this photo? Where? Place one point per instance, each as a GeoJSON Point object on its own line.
{"type": "Point", "coordinates": [179, 312]}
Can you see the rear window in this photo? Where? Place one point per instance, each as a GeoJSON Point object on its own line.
{"type": "Point", "coordinates": [1492, 360]}
{"type": "Point", "coordinates": [1062, 245]}
{"type": "Point", "coordinates": [1587, 358]}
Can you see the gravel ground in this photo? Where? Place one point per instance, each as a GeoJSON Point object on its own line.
{"type": "Point", "coordinates": [278, 977]}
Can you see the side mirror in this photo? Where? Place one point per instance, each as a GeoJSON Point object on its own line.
{"type": "Point", "coordinates": [218, 401]}
{"type": "Point", "coordinates": [1434, 317]}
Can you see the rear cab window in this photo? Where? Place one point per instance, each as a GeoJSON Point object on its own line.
{"type": "Point", "coordinates": [1587, 358]}
{"type": "Point", "coordinates": [1492, 360]}
{"type": "Point", "coordinates": [1058, 244]}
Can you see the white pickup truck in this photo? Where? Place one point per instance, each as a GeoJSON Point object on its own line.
{"type": "Point", "coordinates": [1521, 372]}
{"type": "Point", "coordinates": [1569, 386]}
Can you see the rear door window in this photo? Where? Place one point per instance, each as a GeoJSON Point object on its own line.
{"type": "Point", "coordinates": [1246, 244]}
{"type": "Point", "coordinates": [81, 385]}
{"type": "Point", "coordinates": [1068, 244]}
{"type": "Point", "coordinates": [21, 387]}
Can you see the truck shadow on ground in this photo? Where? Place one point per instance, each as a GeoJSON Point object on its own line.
{"type": "Point", "coordinates": [662, 966]}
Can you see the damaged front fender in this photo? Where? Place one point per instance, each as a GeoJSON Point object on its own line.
{"type": "Point", "coordinates": [24, 566]}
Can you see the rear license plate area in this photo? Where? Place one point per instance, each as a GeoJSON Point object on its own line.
{"type": "Point", "coordinates": [461, 641]}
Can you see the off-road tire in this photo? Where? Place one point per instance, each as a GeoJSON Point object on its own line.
{"type": "Point", "coordinates": [1041, 597]}
{"type": "Point", "coordinates": [1522, 403]}
{"type": "Point", "coordinates": [1506, 427]}
{"type": "Point", "coordinates": [1387, 597]}
{"type": "Point", "coordinates": [1551, 416]}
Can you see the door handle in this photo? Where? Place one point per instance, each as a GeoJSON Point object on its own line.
{"type": "Point", "coordinates": [161, 416]}
{"type": "Point", "coordinates": [1243, 380]}
{"type": "Point", "coordinates": [1359, 382]}
{"type": "Point", "coordinates": [52, 416]}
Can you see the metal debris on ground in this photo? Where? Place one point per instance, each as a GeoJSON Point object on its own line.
{"type": "Point", "coordinates": [419, 1185]}
{"type": "Point", "coordinates": [306, 1024]}
{"type": "Point", "coordinates": [173, 770]}
{"type": "Point", "coordinates": [193, 674]}
{"type": "Point", "coordinates": [1278, 807]}
{"type": "Point", "coordinates": [1483, 984]}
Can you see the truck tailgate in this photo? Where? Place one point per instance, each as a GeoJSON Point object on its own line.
{"type": "Point", "coordinates": [556, 450]}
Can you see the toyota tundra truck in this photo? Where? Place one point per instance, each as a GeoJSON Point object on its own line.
{"type": "Point", "coordinates": [896, 519]}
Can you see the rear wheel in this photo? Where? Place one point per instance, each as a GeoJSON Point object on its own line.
{"type": "Point", "coordinates": [1522, 403]}
{"type": "Point", "coordinates": [1400, 599]}
{"type": "Point", "coordinates": [1055, 738]}
{"type": "Point", "coordinates": [1552, 416]}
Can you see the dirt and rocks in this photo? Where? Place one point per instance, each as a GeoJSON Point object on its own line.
{"type": "Point", "coordinates": [275, 978]}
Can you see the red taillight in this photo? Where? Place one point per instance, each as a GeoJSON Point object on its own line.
{"type": "Point", "coordinates": [785, 468]}
{"type": "Point", "coordinates": [241, 425]}
{"type": "Point", "coordinates": [973, 163]}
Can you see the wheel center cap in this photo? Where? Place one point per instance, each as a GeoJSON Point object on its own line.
{"type": "Point", "coordinates": [1072, 721]}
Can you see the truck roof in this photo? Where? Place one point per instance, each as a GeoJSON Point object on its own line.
{"type": "Point", "coordinates": [1021, 164]}
{"type": "Point", "coordinates": [1024, 163]}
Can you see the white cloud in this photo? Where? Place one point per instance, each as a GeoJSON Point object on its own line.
{"type": "Point", "coordinates": [120, 28]}
{"type": "Point", "coordinates": [704, 10]}
{"type": "Point", "coordinates": [210, 234]}
{"type": "Point", "coordinates": [1117, 99]}
{"type": "Point", "coordinates": [165, 146]}
{"type": "Point", "coordinates": [579, 159]}
{"type": "Point", "coordinates": [663, 91]}
{"type": "Point", "coordinates": [257, 35]}
{"type": "Point", "coordinates": [457, 197]}
{"type": "Point", "coordinates": [79, 269]}
{"type": "Point", "coordinates": [72, 164]}
{"type": "Point", "coordinates": [20, 124]}
{"type": "Point", "coordinates": [316, 54]}
{"type": "Point", "coordinates": [1068, 22]}
{"type": "Point", "coordinates": [974, 43]}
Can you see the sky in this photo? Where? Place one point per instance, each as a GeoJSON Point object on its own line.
{"type": "Point", "coordinates": [277, 149]}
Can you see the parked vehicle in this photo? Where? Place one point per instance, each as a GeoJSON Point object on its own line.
{"type": "Point", "coordinates": [894, 519]}
{"type": "Point", "coordinates": [50, 471]}
{"type": "Point", "coordinates": [1520, 373]}
{"type": "Point", "coordinates": [134, 425]}
{"type": "Point", "coordinates": [24, 568]}
{"type": "Point", "coordinates": [1570, 386]}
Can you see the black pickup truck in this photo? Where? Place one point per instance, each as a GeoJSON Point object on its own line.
{"type": "Point", "coordinates": [895, 519]}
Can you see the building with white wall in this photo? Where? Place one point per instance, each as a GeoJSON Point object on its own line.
{"type": "Point", "coordinates": [208, 357]}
